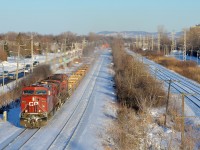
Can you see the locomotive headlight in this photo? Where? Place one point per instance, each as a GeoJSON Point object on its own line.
{"type": "Point", "coordinates": [26, 110]}
{"type": "Point", "coordinates": [39, 110]}
{"type": "Point", "coordinates": [43, 106]}
{"type": "Point", "coordinates": [33, 98]}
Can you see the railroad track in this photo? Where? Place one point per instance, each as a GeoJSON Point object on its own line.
{"type": "Point", "coordinates": [170, 75]}
{"type": "Point", "coordinates": [63, 136]}
{"type": "Point", "coordinates": [19, 140]}
{"type": "Point", "coordinates": [184, 86]}
{"type": "Point", "coordinates": [84, 101]}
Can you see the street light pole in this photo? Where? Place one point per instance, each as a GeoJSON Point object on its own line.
{"type": "Point", "coordinates": [47, 52]}
{"type": "Point", "coordinates": [32, 52]}
{"type": "Point", "coordinates": [17, 71]}
{"type": "Point", "coordinates": [197, 57]}
{"type": "Point", "coordinates": [3, 76]}
{"type": "Point", "coordinates": [185, 46]}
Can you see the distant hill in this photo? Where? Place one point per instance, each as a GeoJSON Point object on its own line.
{"type": "Point", "coordinates": [130, 34]}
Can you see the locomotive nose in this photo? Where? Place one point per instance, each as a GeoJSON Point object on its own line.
{"type": "Point", "coordinates": [33, 122]}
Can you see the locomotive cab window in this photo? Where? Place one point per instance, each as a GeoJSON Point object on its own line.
{"type": "Point", "coordinates": [40, 92]}
{"type": "Point", "coordinates": [28, 92]}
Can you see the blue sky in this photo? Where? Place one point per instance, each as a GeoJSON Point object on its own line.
{"type": "Point", "coordinates": [84, 16]}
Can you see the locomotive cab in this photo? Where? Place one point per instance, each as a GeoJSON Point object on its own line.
{"type": "Point", "coordinates": [36, 103]}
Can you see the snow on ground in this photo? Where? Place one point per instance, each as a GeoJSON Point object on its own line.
{"type": "Point", "coordinates": [179, 55]}
{"type": "Point", "coordinates": [164, 137]}
{"type": "Point", "coordinates": [99, 113]}
{"type": "Point", "coordinates": [158, 135]}
{"type": "Point", "coordinates": [11, 65]}
{"type": "Point", "coordinates": [90, 132]}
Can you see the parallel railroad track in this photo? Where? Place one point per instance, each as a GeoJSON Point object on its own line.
{"type": "Point", "coordinates": [84, 101]}
{"type": "Point", "coordinates": [22, 138]}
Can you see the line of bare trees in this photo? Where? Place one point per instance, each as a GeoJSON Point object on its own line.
{"type": "Point", "coordinates": [136, 92]}
{"type": "Point", "coordinates": [39, 73]}
{"type": "Point", "coordinates": [133, 82]}
{"type": "Point", "coordinates": [9, 42]}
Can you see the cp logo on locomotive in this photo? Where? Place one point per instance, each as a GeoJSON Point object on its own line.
{"type": "Point", "coordinates": [33, 103]}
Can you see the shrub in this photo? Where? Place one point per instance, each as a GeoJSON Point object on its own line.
{"type": "Point", "coordinates": [133, 82]}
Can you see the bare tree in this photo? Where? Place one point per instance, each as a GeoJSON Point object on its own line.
{"type": "Point", "coordinates": [3, 55]}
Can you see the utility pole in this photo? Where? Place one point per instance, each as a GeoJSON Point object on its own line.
{"type": "Point", "coordinates": [148, 43]}
{"type": "Point", "coordinates": [143, 42]}
{"type": "Point", "coordinates": [17, 72]}
{"type": "Point", "coordinates": [18, 54]}
{"type": "Point", "coordinates": [84, 43]}
{"type": "Point", "coordinates": [152, 42]}
{"type": "Point", "coordinates": [47, 52]}
{"type": "Point", "coordinates": [158, 42]}
{"type": "Point", "coordinates": [183, 118]}
{"type": "Point", "coordinates": [185, 46]}
{"type": "Point", "coordinates": [65, 52]}
{"type": "Point", "coordinates": [140, 43]}
{"type": "Point", "coordinates": [167, 50]}
{"type": "Point", "coordinates": [172, 46]}
{"type": "Point", "coordinates": [3, 76]}
{"type": "Point", "coordinates": [168, 95]}
{"type": "Point", "coordinates": [31, 52]}
{"type": "Point", "coordinates": [55, 58]}
{"type": "Point", "coordinates": [136, 41]}
{"type": "Point", "coordinates": [164, 49]}
{"type": "Point", "coordinates": [198, 57]}
{"type": "Point", "coordinates": [183, 121]}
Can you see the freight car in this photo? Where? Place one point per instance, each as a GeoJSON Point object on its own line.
{"type": "Point", "coordinates": [40, 101]}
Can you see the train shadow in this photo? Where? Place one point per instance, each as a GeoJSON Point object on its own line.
{"type": "Point", "coordinates": [13, 113]}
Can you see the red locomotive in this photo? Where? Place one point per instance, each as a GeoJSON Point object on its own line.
{"type": "Point", "coordinates": [40, 101]}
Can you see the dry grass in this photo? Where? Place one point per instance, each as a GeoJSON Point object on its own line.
{"type": "Point", "coordinates": [188, 69]}
{"type": "Point", "coordinates": [133, 83]}
{"type": "Point", "coordinates": [129, 131]}
{"type": "Point", "coordinates": [136, 91]}
{"type": "Point", "coordinates": [191, 132]}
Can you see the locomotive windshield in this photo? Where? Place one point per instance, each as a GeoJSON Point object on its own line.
{"type": "Point", "coordinates": [40, 92]}
{"type": "Point", "coordinates": [28, 92]}
{"type": "Point", "coordinates": [32, 92]}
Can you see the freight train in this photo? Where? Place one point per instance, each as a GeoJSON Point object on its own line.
{"type": "Point", "coordinates": [41, 100]}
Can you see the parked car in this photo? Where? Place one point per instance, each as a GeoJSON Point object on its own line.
{"type": "Point", "coordinates": [35, 63]}
{"type": "Point", "coordinates": [27, 68]}
{"type": "Point", "coordinates": [5, 74]}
